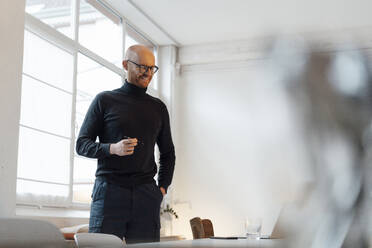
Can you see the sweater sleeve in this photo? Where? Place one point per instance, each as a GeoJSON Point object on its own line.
{"type": "Point", "coordinates": [86, 144]}
{"type": "Point", "coordinates": [167, 153]}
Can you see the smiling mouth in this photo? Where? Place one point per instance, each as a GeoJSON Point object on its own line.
{"type": "Point", "coordinates": [145, 77]}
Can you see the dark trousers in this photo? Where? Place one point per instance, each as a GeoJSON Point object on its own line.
{"type": "Point", "coordinates": [132, 213]}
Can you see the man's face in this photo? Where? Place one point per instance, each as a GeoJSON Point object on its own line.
{"type": "Point", "coordinates": [137, 75]}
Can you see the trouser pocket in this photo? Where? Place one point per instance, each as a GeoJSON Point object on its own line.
{"type": "Point", "coordinates": [98, 200]}
{"type": "Point", "coordinates": [99, 190]}
{"type": "Point", "coordinates": [95, 224]}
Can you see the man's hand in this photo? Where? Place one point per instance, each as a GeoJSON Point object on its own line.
{"type": "Point", "coordinates": [162, 191]}
{"type": "Point", "coordinates": [124, 147]}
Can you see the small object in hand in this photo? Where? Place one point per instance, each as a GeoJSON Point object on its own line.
{"type": "Point", "coordinates": [138, 141]}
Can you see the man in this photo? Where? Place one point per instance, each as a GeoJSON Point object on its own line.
{"type": "Point", "coordinates": [125, 199]}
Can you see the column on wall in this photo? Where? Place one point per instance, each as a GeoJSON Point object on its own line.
{"type": "Point", "coordinates": [167, 63]}
{"type": "Point", "coordinates": [11, 50]}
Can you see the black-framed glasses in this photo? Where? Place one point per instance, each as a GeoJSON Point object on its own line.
{"type": "Point", "coordinates": [144, 68]}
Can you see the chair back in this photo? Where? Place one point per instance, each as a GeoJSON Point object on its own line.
{"type": "Point", "coordinates": [197, 228]}
{"type": "Point", "coordinates": [18, 232]}
{"type": "Point", "coordinates": [208, 228]}
{"type": "Point", "coordinates": [201, 228]}
{"type": "Point", "coordinates": [97, 240]}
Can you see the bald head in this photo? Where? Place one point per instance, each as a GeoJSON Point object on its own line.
{"type": "Point", "coordinates": [137, 53]}
{"type": "Point", "coordinates": [140, 55]}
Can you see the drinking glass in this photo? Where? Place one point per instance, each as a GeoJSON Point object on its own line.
{"type": "Point", "coordinates": [253, 228]}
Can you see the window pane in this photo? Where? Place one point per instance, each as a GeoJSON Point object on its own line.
{"type": "Point", "coordinates": [92, 79]}
{"type": "Point", "coordinates": [28, 191]}
{"type": "Point", "coordinates": [100, 34]}
{"type": "Point", "coordinates": [133, 37]}
{"type": "Point", "coordinates": [46, 108]}
{"type": "Point", "coordinates": [43, 156]}
{"type": "Point", "coordinates": [56, 13]}
{"type": "Point", "coordinates": [84, 169]}
{"type": "Point", "coordinates": [129, 41]}
{"type": "Point", "coordinates": [47, 62]}
{"type": "Point", "coordinates": [82, 193]}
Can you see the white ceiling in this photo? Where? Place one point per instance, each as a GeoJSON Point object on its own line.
{"type": "Point", "coordinates": [204, 21]}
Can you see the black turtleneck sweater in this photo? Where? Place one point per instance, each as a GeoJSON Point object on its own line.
{"type": "Point", "coordinates": [128, 112]}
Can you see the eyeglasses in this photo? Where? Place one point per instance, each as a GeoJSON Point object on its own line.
{"type": "Point", "coordinates": [144, 68]}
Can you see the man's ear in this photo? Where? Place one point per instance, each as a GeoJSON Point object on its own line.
{"type": "Point", "coordinates": [125, 64]}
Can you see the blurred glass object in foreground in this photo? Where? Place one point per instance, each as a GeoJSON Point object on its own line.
{"type": "Point", "coordinates": [331, 94]}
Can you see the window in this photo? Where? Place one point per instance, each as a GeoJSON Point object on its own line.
{"type": "Point", "coordinates": [101, 33]}
{"type": "Point", "coordinates": [45, 123]}
{"type": "Point", "coordinates": [64, 68]}
{"type": "Point", "coordinates": [56, 13]}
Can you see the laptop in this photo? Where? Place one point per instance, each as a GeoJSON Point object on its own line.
{"type": "Point", "coordinates": [278, 231]}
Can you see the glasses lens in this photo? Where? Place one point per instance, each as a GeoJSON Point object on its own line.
{"type": "Point", "coordinates": [142, 68]}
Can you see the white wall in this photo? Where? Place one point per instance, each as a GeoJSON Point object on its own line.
{"type": "Point", "coordinates": [239, 150]}
{"type": "Point", "coordinates": [230, 129]}
{"type": "Point", "coordinates": [11, 53]}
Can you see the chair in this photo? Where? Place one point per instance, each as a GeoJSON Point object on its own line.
{"type": "Point", "coordinates": [201, 228]}
{"type": "Point", "coordinates": [208, 228]}
{"type": "Point", "coordinates": [70, 231]}
{"type": "Point", "coordinates": [17, 232]}
{"type": "Point", "coordinates": [95, 240]}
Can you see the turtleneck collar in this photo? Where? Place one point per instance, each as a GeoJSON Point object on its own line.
{"type": "Point", "coordinates": [132, 89]}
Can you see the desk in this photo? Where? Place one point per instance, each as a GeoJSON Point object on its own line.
{"type": "Point", "coordinates": [171, 238]}
{"type": "Point", "coordinates": [211, 243]}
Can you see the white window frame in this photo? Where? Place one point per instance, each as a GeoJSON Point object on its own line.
{"type": "Point", "coordinates": [72, 46]}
